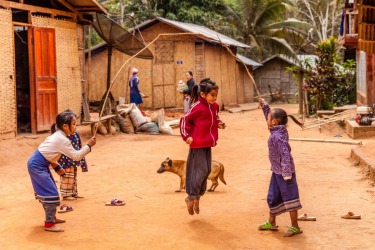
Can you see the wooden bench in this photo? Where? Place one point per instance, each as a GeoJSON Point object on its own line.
{"type": "Point", "coordinates": [93, 122]}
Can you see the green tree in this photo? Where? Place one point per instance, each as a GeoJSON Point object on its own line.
{"type": "Point", "coordinates": [263, 24]}
{"type": "Point", "coordinates": [204, 12]}
{"type": "Point", "coordinates": [330, 84]}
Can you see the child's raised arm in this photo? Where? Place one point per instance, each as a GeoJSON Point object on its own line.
{"type": "Point", "coordinates": [265, 107]}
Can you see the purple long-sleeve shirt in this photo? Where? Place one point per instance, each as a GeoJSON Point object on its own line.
{"type": "Point", "coordinates": [279, 151]}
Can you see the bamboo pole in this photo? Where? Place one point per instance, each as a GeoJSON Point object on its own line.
{"type": "Point", "coordinates": [327, 141]}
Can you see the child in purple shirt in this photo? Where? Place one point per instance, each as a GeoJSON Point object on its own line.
{"type": "Point", "coordinates": [283, 193]}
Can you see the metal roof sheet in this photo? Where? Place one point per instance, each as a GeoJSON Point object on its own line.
{"type": "Point", "coordinates": [194, 28]}
{"type": "Point", "coordinates": [248, 61]}
{"type": "Point", "coordinates": [87, 5]}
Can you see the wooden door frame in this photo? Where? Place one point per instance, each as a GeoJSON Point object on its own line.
{"type": "Point", "coordinates": [32, 80]}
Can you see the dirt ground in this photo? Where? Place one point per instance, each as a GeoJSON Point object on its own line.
{"type": "Point", "coordinates": [155, 217]}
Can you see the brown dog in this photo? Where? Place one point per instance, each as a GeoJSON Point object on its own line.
{"type": "Point", "coordinates": [178, 167]}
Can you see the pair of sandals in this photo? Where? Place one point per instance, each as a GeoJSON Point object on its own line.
{"type": "Point", "coordinates": [291, 231]}
{"type": "Point", "coordinates": [115, 202]}
{"type": "Point", "coordinates": [65, 208]}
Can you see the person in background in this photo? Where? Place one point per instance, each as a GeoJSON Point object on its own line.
{"type": "Point", "coordinates": [68, 185]}
{"type": "Point", "coordinates": [48, 152]}
{"type": "Point", "coordinates": [187, 92]}
{"type": "Point", "coordinates": [135, 93]}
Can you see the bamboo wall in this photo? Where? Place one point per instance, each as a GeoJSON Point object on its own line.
{"type": "Point", "coordinates": [98, 76]}
{"type": "Point", "coordinates": [273, 73]}
{"type": "Point", "coordinates": [8, 112]}
{"type": "Point", "coordinates": [68, 69]}
{"type": "Point", "coordinates": [222, 68]}
{"type": "Point", "coordinates": [184, 52]}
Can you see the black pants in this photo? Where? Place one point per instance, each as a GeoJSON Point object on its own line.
{"type": "Point", "coordinates": [198, 167]}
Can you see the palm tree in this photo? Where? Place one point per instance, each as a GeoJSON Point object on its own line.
{"type": "Point", "coordinates": [262, 24]}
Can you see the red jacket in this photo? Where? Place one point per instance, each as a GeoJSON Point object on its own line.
{"type": "Point", "coordinates": [201, 123]}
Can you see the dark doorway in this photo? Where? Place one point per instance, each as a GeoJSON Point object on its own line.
{"type": "Point", "coordinates": [22, 79]}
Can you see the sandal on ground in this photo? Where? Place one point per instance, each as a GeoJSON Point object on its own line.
{"type": "Point", "coordinates": [293, 231]}
{"type": "Point", "coordinates": [54, 229]}
{"type": "Point", "coordinates": [69, 198]}
{"type": "Point", "coordinates": [65, 208]}
{"type": "Point", "coordinates": [59, 221]}
{"type": "Point", "coordinates": [78, 196]}
{"type": "Point", "coordinates": [351, 215]}
{"type": "Point", "coordinates": [304, 217]}
{"type": "Point", "coordinates": [115, 202]}
{"type": "Point", "coordinates": [268, 226]}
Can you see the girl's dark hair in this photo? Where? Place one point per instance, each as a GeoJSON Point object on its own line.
{"type": "Point", "coordinates": [190, 73]}
{"type": "Point", "coordinates": [280, 115]}
{"type": "Point", "coordinates": [205, 86]}
{"type": "Point", "coordinates": [64, 117]}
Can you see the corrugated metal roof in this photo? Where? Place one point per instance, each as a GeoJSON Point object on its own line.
{"type": "Point", "coordinates": [248, 61]}
{"type": "Point", "coordinates": [300, 59]}
{"type": "Point", "coordinates": [294, 61]}
{"type": "Point", "coordinates": [87, 5]}
{"type": "Point", "coordinates": [194, 28]}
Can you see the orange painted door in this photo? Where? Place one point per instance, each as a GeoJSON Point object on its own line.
{"type": "Point", "coordinates": [43, 67]}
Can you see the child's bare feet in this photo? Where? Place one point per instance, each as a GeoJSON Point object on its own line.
{"type": "Point", "coordinates": [189, 205]}
{"type": "Point", "coordinates": [196, 206]}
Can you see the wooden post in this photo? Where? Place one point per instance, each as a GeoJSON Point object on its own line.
{"type": "Point", "coordinates": [89, 64]}
{"type": "Point", "coordinates": [300, 92]}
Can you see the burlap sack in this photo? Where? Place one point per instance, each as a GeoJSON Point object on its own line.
{"type": "Point", "coordinates": [126, 125]}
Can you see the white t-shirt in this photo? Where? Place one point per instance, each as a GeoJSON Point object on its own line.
{"type": "Point", "coordinates": [57, 144]}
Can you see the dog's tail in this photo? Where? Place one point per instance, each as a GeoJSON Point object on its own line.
{"type": "Point", "coordinates": [221, 173]}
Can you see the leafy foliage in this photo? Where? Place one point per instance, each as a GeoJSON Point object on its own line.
{"type": "Point", "coordinates": [263, 24]}
{"type": "Point", "coordinates": [204, 12]}
{"type": "Point", "coordinates": [328, 83]}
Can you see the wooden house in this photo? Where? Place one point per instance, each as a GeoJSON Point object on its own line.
{"type": "Point", "coordinates": [189, 47]}
{"type": "Point", "coordinates": [273, 78]}
{"type": "Point", "coordinates": [358, 37]}
{"type": "Point", "coordinates": [41, 61]}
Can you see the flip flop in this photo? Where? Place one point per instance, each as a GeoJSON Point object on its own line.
{"type": "Point", "coordinates": [268, 226]}
{"type": "Point", "coordinates": [351, 215]}
{"type": "Point", "coordinates": [54, 229]}
{"type": "Point", "coordinates": [69, 198]}
{"type": "Point", "coordinates": [293, 231]}
{"type": "Point", "coordinates": [304, 217]}
{"type": "Point", "coordinates": [115, 202]}
{"type": "Point", "coordinates": [78, 196]}
{"type": "Point", "coordinates": [65, 208]}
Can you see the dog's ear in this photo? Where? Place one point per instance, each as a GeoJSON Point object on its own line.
{"type": "Point", "coordinates": [170, 163]}
{"type": "Point", "coordinates": [167, 159]}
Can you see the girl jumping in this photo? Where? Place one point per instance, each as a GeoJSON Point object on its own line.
{"type": "Point", "coordinates": [199, 128]}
